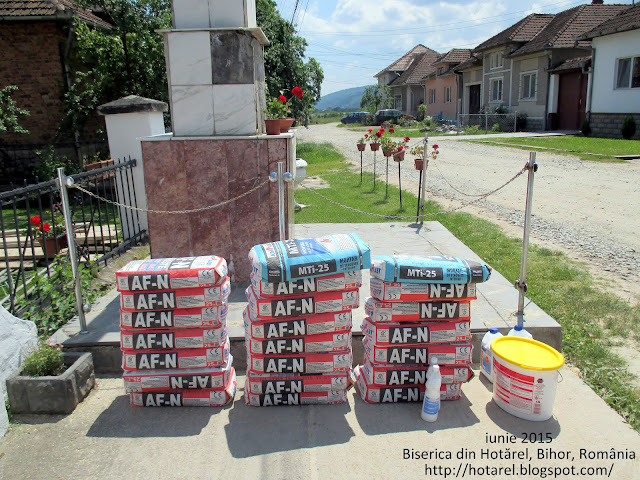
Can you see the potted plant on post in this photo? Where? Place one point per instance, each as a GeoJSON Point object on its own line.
{"type": "Point", "coordinates": [418, 151]}
{"type": "Point", "coordinates": [362, 142]}
{"type": "Point", "coordinates": [400, 150]}
{"type": "Point", "coordinates": [51, 381]}
{"type": "Point", "coordinates": [374, 140]}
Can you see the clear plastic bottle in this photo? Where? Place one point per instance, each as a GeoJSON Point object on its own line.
{"type": "Point", "coordinates": [518, 331]}
{"type": "Point", "coordinates": [486, 362]}
{"type": "Point", "coordinates": [431, 402]}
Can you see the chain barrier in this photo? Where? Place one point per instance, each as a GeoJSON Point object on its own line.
{"type": "Point", "coordinates": [195, 210]}
{"type": "Point", "coordinates": [433, 214]}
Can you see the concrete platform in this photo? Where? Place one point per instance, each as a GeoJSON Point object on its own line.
{"type": "Point", "coordinates": [495, 307]}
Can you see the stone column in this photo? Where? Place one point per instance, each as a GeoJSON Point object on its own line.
{"type": "Point", "coordinates": [128, 119]}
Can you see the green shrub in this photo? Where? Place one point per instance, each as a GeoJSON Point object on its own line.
{"type": "Point", "coordinates": [472, 130]}
{"type": "Point", "coordinates": [585, 127]}
{"type": "Point", "coordinates": [45, 360]}
{"type": "Point", "coordinates": [422, 112]}
{"type": "Point", "coordinates": [628, 127]}
{"type": "Point", "coordinates": [495, 127]}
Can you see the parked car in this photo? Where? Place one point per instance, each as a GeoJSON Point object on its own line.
{"type": "Point", "coordinates": [388, 115]}
{"type": "Point", "coordinates": [354, 117]}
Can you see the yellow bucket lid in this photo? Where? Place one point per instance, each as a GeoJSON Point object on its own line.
{"type": "Point", "coordinates": [527, 353]}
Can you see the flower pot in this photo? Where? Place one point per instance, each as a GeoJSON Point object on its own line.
{"type": "Point", "coordinates": [419, 163]}
{"type": "Point", "coordinates": [374, 146]}
{"type": "Point", "coordinates": [285, 124]}
{"type": "Point", "coordinates": [54, 244]}
{"type": "Point", "coordinates": [361, 146]}
{"type": "Point", "coordinates": [387, 152]}
{"type": "Point", "coordinates": [272, 127]}
{"type": "Point", "coordinates": [398, 156]}
{"type": "Point", "coordinates": [54, 394]}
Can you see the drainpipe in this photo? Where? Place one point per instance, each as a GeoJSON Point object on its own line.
{"type": "Point", "coordinates": [587, 107]}
{"type": "Point", "coordinates": [67, 77]}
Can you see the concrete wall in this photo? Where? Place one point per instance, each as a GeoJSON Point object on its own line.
{"type": "Point", "coordinates": [504, 72]}
{"type": "Point", "coordinates": [609, 125]}
{"type": "Point", "coordinates": [535, 107]}
{"type": "Point", "coordinates": [439, 83]}
{"type": "Point", "coordinates": [605, 98]}
{"type": "Point", "coordinates": [17, 338]}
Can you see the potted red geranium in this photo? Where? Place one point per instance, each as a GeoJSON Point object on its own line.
{"type": "Point", "coordinates": [51, 236]}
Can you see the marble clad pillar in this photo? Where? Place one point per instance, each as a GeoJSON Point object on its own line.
{"type": "Point", "coordinates": [217, 150]}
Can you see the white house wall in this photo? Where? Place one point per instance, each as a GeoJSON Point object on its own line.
{"type": "Point", "coordinates": [604, 98]}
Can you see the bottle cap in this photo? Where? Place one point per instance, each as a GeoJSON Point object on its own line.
{"type": "Point", "coordinates": [517, 328]}
{"type": "Point", "coordinates": [434, 361]}
{"type": "Point", "coordinates": [493, 330]}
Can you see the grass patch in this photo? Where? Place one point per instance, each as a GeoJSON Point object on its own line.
{"type": "Point", "coordinates": [587, 148]}
{"type": "Point", "coordinates": [560, 286]}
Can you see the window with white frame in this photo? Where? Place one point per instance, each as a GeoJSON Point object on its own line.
{"type": "Point", "coordinates": [495, 89]}
{"type": "Point", "coordinates": [397, 102]}
{"type": "Point", "coordinates": [628, 72]}
{"type": "Point", "coordinates": [447, 94]}
{"type": "Point", "coordinates": [440, 70]}
{"type": "Point", "coordinates": [432, 95]}
{"type": "Point", "coordinates": [528, 85]}
{"type": "Point", "coordinates": [496, 60]}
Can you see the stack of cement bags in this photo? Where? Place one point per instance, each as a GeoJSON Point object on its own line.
{"type": "Point", "coordinates": [174, 332]}
{"type": "Point", "coordinates": [419, 309]}
{"type": "Point", "coordinates": [298, 319]}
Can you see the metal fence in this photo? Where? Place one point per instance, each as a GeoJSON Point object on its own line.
{"type": "Point", "coordinates": [34, 241]}
{"type": "Point", "coordinates": [488, 122]}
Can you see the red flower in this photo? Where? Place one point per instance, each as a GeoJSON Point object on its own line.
{"type": "Point", "coordinates": [406, 139]}
{"type": "Point", "coordinates": [378, 134]}
{"type": "Point", "coordinates": [382, 130]}
{"type": "Point", "coordinates": [44, 227]}
{"type": "Point", "coordinates": [35, 220]}
{"type": "Point", "coordinates": [435, 146]}
{"type": "Point", "coordinates": [370, 130]}
{"type": "Point", "coordinates": [366, 135]}
{"type": "Point", "coordinates": [400, 148]}
{"type": "Point", "coordinates": [282, 98]}
{"type": "Point", "coordinates": [297, 91]}
{"type": "Point", "coordinates": [391, 130]}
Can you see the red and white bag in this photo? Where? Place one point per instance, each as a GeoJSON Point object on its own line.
{"type": "Point", "coordinates": [286, 383]}
{"type": "Point", "coordinates": [298, 306]}
{"type": "Point", "coordinates": [447, 353]}
{"type": "Point", "coordinates": [170, 339]}
{"type": "Point", "coordinates": [387, 333]}
{"type": "Point", "coordinates": [171, 273]}
{"type": "Point", "coordinates": [172, 299]}
{"type": "Point", "coordinates": [415, 311]}
{"type": "Point", "coordinates": [314, 363]}
{"type": "Point", "coordinates": [399, 394]}
{"type": "Point", "coordinates": [393, 375]}
{"type": "Point", "coordinates": [172, 359]}
{"type": "Point", "coordinates": [323, 342]}
{"type": "Point", "coordinates": [332, 397]}
{"type": "Point", "coordinates": [326, 283]}
{"type": "Point", "coordinates": [293, 327]}
{"type": "Point", "coordinates": [420, 292]}
{"type": "Point", "coordinates": [187, 398]}
{"type": "Point", "coordinates": [213, 378]}
{"type": "Point", "coordinates": [212, 317]}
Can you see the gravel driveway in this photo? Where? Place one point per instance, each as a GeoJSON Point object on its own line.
{"type": "Point", "coordinates": [590, 210]}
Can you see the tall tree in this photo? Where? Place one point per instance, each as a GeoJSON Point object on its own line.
{"type": "Point", "coordinates": [285, 65]}
{"type": "Point", "coordinates": [376, 97]}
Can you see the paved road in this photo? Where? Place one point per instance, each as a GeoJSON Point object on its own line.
{"type": "Point", "coordinates": [588, 209]}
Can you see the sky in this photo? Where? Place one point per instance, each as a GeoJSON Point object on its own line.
{"type": "Point", "coordinates": [355, 39]}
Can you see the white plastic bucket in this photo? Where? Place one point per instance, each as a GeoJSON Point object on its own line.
{"type": "Point", "coordinates": [525, 377]}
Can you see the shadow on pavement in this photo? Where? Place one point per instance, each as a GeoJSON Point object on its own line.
{"type": "Point", "coordinates": [121, 420]}
{"type": "Point", "coordinates": [255, 431]}
{"type": "Point", "coordinates": [519, 427]}
{"type": "Point", "coordinates": [376, 419]}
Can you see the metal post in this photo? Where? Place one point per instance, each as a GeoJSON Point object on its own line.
{"type": "Point", "coordinates": [281, 177]}
{"type": "Point", "coordinates": [400, 185]}
{"type": "Point", "coordinates": [521, 283]}
{"type": "Point", "coordinates": [424, 175]}
{"type": "Point", "coordinates": [63, 183]}
{"type": "Point", "coordinates": [419, 194]}
{"type": "Point", "coordinates": [374, 169]}
{"type": "Point", "coordinates": [486, 123]}
{"type": "Point", "coordinates": [360, 166]}
{"type": "Point", "coordinates": [515, 122]}
{"type": "Point", "coordinates": [386, 194]}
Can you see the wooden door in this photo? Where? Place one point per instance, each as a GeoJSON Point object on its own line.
{"type": "Point", "coordinates": [572, 95]}
{"type": "Point", "coordinates": [474, 99]}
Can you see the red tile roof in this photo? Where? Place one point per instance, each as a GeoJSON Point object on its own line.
{"type": "Point", "coordinates": [455, 55]}
{"type": "Point", "coordinates": [418, 69]}
{"type": "Point", "coordinates": [54, 9]}
{"type": "Point", "coordinates": [627, 20]}
{"type": "Point", "coordinates": [520, 32]}
{"type": "Point", "coordinates": [572, 64]}
{"type": "Point", "coordinates": [567, 26]}
{"type": "Point", "coordinates": [403, 62]}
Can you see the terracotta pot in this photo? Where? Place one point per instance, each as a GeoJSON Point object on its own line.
{"type": "Point", "coordinates": [272, 126]}
{"type": "Point", "coordinates": [54, 245]}
{"type": "Point", "coordinates": [361, 146]}
{"type": "Point", "coordinates": [387, 152]}
{"type": "Point", "coordinates": [374, 147]}
{"type": "Point", "coordinates": [285, 124]}
{"type": "Point", "coordinates": [418, 162]}
{"type": "Point", "coordinates": [398, 156]}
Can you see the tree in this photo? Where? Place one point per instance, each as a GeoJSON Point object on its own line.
{"type": "Point", "coordinates": [376, 97]}
{"type": "Point", "coordinates": [9, 111]}
{"type": "Point", "coordinates": [128, 59]}
{"type": "Point", "coordinates": [285, 67]}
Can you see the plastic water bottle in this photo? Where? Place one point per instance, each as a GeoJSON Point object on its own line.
{"type": "Point", "coordinates": [486, 362]}
{"type": "Point", "coordinates": [518, 331]}
{"type": "Point", "coordinates": [431, 403]}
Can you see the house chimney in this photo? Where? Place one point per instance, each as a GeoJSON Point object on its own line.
{"type": "Point", "coordinates": [597, 2]}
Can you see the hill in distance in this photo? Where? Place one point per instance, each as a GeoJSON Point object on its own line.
{"type": "Point", "coordinates": [347, 100]}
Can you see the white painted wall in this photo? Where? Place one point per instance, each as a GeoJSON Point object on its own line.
{"type": "Point", "coordinates": [124, 131]}
{"type": "Point", "coordinates": [604, 98]}
{"type": "Point", "coordinates": [17, 339]}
